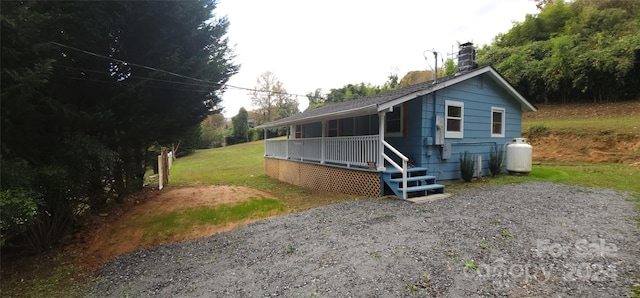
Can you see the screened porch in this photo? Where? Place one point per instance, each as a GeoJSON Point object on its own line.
{"type": "Point", "coordinates": [351, 151]}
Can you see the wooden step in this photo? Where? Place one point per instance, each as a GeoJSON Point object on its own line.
{"type": "Point", "coordinates": [416, 178]}
{"type": "Point", "coordinates": [423, 187]}
{"type": "Point", "coordinates": [393, 170]}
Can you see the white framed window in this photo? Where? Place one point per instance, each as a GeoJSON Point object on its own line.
{"type": "Point", "coordinates": [394, 121]}
{"type": "Point", "coordinates": [454, 123]}
{"type": "Point", "coordinates": [497, 122]}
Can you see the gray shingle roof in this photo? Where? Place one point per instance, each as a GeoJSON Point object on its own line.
{"type": "Point", "coordinates": [371, 104]}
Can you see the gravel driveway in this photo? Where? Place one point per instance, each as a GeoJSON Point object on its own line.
{"type": "Point", "coordinates": [523, 240]}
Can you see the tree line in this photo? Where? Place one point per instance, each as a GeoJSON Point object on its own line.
{"type": "Point", "coordinates": [89, 89]}
{"type": "Point", "coordinates": [578, 51]}
{"type": "Point", "coordinates": [583, 50]}
{"type": "Point", "coordinates": [272, 102]}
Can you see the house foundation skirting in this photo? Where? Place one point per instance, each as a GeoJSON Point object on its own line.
{"type": "Point", "coordinates": [325, 178]}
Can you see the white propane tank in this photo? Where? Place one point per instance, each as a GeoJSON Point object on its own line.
{"type": "Point", "coordinates": [519, 155]}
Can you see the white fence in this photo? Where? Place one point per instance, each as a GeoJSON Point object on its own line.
{"type": "Point", "coordinates": [350, 151]}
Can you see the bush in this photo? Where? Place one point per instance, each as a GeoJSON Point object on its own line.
{"type": "Point", "coordinates": [539, 130]}
{"type": "Point", "coordinates": [19, 201]}
{"type": "Point", "coordinates": [39, 204]}
{"type": "Point", "coordinates": [466, 166]}
{"type": "Point", "coordinates": [18, 210]}
{"type": "Point", "coordinates": [495, 160]}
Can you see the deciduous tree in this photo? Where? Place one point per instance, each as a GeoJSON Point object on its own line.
{"type": "Point", "coordinates": [271, 100]}
{"type": "Point", "coordinates": [575, 51]}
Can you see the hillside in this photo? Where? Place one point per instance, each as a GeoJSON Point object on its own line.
{"type": "Point", "coordinates": [585, 132]}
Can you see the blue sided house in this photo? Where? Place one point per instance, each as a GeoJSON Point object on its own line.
{"type": "Point", "coordinates": [402, 142]}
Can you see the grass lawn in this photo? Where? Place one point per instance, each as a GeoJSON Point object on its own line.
{"type": "Point", "coordinates": [232, 165]}
{"type": "Point", "coordinates": [183, 221]}
{"type": "Point", "coordinates": [628, 125]}
{"type": "Point", "coordinates": [603, 175]}
{"type": "Point", "coordinates": [244, 165]}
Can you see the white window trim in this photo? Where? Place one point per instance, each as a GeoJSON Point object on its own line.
{"type": "Point", "coordinates": [386, 127]}
{"type": "Point", "coordinates": [453, 134]}
{"type": "Point", "coordinates": [501, 134]}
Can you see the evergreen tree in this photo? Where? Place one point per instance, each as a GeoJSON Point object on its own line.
{"type": "Point", "coordinates": [87, 87]}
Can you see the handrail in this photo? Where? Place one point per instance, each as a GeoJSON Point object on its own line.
{"type": "Point", "coordinates": [402, 169]}
{"type": "Point", "coordinates": [394, 150]}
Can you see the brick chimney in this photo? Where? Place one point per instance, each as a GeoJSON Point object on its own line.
{"type": "Point", "coordinates": [467, 57]}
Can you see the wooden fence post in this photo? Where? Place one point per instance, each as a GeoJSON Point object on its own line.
{"type": "Point", "coordinates": [163, 168]}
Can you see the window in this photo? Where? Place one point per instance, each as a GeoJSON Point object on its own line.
{"type": "Point", "coordinates": [497, 122]}
{"type": "Point", "coordinates": [454, 114]}
{"type": "Point", "coordinates": [347, 127]}
{"type": "Point", "coordinates": [298, 131]}
{"type": "Point", "coordinates": [363, 126]}
{"type": "Point", "coordinates": [332, 128]}
{"type": "Point", "coordinates": [352, 126]}
{"type": "Point", "coordinates": [394, 121]}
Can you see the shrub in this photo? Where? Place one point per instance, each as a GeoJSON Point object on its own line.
{"type": "Point", "coordinates": [466, 166]}
{"type": "Point", "coordinates": [18, 210]}
{"type": "Point", "coordinates": [495, 160]}
{"type": "Point", "coordinates": [539, 130]}
{"type": "Point", "coordinates": [19, 201]}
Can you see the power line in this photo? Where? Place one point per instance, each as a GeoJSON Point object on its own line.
{"type": "Point", "coordinates": [134, 64]}
{"type": "Point", "coordinates": [134, 77]}
{"type": "Point", "coordinates": [176, 74]}
{"type": "Point", "coordinates": [111, 82]}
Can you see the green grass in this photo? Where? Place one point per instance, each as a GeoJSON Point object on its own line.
{"type": "Point", "coordinates": [233, 165]}
{"type": "Point", "coordinates": [635, 291]}
{"type": "Point", "coordinates": [183, 221]}
{"type": "Point", "coordinates": [601, 175]}
{"type": "Point", "coordinates": [587, 126]}
{"type": "Point", "coordinates": [471, 265]}
{"type": "Point", "coordinates": [244, 165]}
{"type": "Point", "coordinates": [62, 280]}
{"type": "Point", "coordinates": [507, 234]}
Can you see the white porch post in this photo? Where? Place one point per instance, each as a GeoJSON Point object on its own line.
{"type": "Point", "coordinates": [288, 140]}
{"type": "Point", "coordinates": [381, 122]}
{"type": "Point", "coordinates": [265, 141]}
{"type": "Point", "coordinates": [322, 142]}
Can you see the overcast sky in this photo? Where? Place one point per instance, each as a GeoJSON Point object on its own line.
{"type": "Point", "coordinates": [330, 43]}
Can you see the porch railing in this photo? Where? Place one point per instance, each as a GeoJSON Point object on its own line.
{"type": "Point", "coordinates": [362, 151]}
{"type": "Point", "coordinates": [402, 169]}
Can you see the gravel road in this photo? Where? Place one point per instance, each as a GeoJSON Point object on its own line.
{"type": "Point", "coordinates": [523, 240]}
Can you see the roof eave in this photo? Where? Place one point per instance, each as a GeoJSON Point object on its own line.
{"type": "Point", "coordinates": [435, 87]}
{"type": "Point", "coordinates": [366, 110]}
{"type": "Point", "coordinates": [525, 105]}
